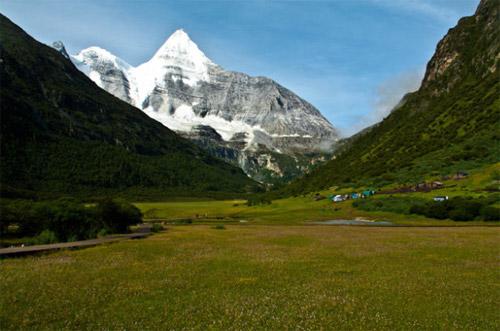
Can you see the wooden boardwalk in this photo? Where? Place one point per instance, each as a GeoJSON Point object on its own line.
{"type": "Point", "coordinates": [142, 232]}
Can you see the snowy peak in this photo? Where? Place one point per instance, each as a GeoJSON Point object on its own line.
{"type": "Point", "coordinates": [240, 118]}
{"type": "Point", "coordinates": [179, 57]}
{"type": "Point", "coordinates": [178, 60]}
{"type": "Point", "coordinates": [182, 88]}
{"type": "Point", "coordinates": [106, 70]}
{"type": "Point", "coordinates": [96, 54]}
{"type": "Point", "coordinates": [180, 47]}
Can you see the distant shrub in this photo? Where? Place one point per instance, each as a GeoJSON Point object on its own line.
{"type": "Point", "coordinates": [258, 200]}
{"type": "Point", "coordinates": [490, 213]}
{"type": "Point", "coordinates": [102, 233]}
{"type": "Point", "coordinates": [118, 215]}
{"type": "Point", "coordinates": [4, 226]}
{"type": "Point", "coordinates": [22, 214]}
{"type": "Point", "coordinates": [46, 237]}
{"type": "Point", "coordinates": [492, 199]}
{"type": "Point", "coordinates": [400, 205]}
{"type": "Point", "coordinates": [492, 187]}
{"type": "Point", "coordinates": [67, 219]}
{"type": "Point", "coordinates": [437, 210]}
{"type": "Point", "coordinates": [220, 227]}
{"type": "Point", "coordinates": [470, 205]}
{"type": "Point", "coordinates": [418, 209]}
{"type": "Point", "coordinates": [157, 227]}
{"type": "Point", "coordinates": [495, 175]}
{"type": "Point", "coordinates": [460, 209]}
{"type": "Point", "coordinates": [72, 238]}
{"type": "Point", "coordinates": [461, 215]}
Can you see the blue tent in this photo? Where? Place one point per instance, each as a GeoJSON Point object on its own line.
{"type": "Point", "coordinates": [368, 192]}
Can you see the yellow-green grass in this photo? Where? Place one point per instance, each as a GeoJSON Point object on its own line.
{"type": "Point", "coordinates": [280, 211]}
{"type": "Point", "coordinates": [263, 277]}
{"type": "Point", "coordinates": [283, 211]}
{"type": "Point", "coordinates": [190, 209]}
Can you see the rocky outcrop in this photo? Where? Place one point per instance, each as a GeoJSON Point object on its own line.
{"type": "Point", "coordinates": [454, 56]}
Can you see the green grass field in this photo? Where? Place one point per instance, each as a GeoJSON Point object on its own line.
{"type": "Point", "coordinates": [263, 277]}
{"type": "Point", "coordinates": [268, 268]}
{"type": "Point", "coordinates": [290, 211]}
{"type": "Point", "coordinates": [303, 209]}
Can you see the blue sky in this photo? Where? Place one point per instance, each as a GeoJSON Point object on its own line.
{"type": "Point", "coordinates": [352, 59]}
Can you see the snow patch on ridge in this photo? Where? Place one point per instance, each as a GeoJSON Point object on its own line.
{"type": "Point", "coordinates": [92, 54]}
{"type": "Point", "coordinates": [184, 119]}
{"type": "Point", "coordinates": [96, 77]}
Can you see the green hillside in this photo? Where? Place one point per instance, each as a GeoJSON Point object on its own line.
{"type": "Point", "coordinates": [61, 134]}
{"type": "Point", "coordinates": [451, 123]}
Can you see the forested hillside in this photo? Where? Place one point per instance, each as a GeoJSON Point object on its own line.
{"type": "Point", "coordinates": [451, 123]}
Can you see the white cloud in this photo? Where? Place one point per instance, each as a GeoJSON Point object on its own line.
{"type": "Point", "coordinates": [389, 93]}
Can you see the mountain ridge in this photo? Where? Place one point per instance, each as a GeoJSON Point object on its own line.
{"type": "Point", "coordinates": [182, 88]}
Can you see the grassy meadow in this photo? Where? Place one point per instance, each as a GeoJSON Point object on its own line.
{"type": "Point", "coordinates": [263, 277]}
{"type": "Point", "coordinates": [304, 209]}
{"type": "Point", "coordinates": [290, 211]}
{"type": "Point", "coordinates": [224, 265]}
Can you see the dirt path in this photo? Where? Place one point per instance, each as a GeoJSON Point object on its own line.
{"type": "Point", "coordinates": [143, 231]}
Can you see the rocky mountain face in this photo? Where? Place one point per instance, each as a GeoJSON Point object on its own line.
{"type": "Point", "coordinates": [62, 135]}
{"type": "Point", "coordinates": [472, 45]}
{"type": "Point", "coordinates": [449, 124]}
{"type": "Point", "coordinates": [253, 122]}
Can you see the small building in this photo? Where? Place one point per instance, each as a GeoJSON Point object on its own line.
{"type": "Point", "coordinates": [437, 184]}
{"type": "Point", "coordinates": [338, 198]}
{"type": "Point", "coordinates": [460, 175]}
{"type": "Point", "coordinates": [440, 198]}
{"type": "Point", "coordinates": [368, 193]}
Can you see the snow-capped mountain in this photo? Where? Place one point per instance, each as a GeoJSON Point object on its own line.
{"type": "Point", "coordinates": [183, 89]}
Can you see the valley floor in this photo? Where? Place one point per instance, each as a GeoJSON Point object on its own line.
{"type": "Point", "coordinates": [263, 277]}
{"type": "Point", "coordinates": [291, 211]}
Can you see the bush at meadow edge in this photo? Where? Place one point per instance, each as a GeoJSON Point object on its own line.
{"type": "Point", "coordinates": [67, 219]}
{"type": "Point", "coordinates": [457, 208]}
{"type": "Point", "coordinates": [460, 209]}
